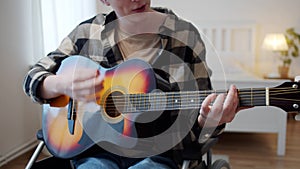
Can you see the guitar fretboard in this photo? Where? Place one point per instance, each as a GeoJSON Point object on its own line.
{"type": "Point", "coordinates": [184, 100]}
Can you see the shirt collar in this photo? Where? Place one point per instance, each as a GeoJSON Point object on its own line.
{"type": "Point", "coordinates": [108, 33]}
{"type": "Point", "coordinates": [168, 25]}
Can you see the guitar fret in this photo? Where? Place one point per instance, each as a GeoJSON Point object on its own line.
{"type": "Point", "coordinates": [251, 96]}
{"type": "Point", "coordinates": [173, 101]}
{"type": "Point", "coordinates": [267, 97]}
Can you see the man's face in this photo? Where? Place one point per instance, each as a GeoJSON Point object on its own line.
{"type": "Point", "coordinates": [129, 7]}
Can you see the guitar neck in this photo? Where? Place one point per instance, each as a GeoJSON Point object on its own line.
{"type": "Point", "coordinates": [285, 96]}
{"type": "Point", "coordinates": [190, 99]}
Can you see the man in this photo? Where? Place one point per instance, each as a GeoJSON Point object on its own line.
{"type": "Point", "coordinates": [172, 46]}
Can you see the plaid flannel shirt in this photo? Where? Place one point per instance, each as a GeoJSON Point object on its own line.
{"type": "Point", "coordinates": [94, 38]}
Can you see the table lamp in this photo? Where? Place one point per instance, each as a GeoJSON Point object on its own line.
{"type": "Point", "coordinates": [276, 42]}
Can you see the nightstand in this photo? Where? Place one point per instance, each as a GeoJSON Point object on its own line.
{"type": "Point", "coordinates": [279, 78]}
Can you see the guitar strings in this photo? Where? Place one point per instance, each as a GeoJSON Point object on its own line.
{"type": "Point", "coordinates": [197, 94]}
{"type": "Point", "coordinates": [248, 96]}
{"type": "Point", "coordinates": [183, 94]}
{"type": "Point", "coordinates": [188, 103]}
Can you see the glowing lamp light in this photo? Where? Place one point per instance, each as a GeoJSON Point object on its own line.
{"type": "Point", "coordinates": [275, 42]}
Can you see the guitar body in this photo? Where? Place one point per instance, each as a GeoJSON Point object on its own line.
{"type": "Point", "coordinates": [59, 141]}
{"type": "Point", "coordinates": [96, 122]}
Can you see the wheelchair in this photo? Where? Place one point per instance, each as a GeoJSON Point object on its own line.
{"type": "Point", "coordinates": [192, 160]}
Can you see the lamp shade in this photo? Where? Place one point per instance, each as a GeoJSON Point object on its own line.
{"type": "Point", "coordinates": [275, 42]}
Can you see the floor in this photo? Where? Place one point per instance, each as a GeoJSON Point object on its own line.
{"type": "Point", "coordinates": [243, 150]}
{"type": "Point", "coordinates": [258, 151]}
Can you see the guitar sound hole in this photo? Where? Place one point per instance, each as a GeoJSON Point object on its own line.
{"type": "Point", "coordinates": [114, 105]}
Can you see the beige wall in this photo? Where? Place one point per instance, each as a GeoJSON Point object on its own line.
{"type": "Point", "coordinates": [19, 118]}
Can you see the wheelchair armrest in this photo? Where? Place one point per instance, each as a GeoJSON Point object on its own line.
{"type": "Point", "coordinates": [196, 151]}
{"type": "Point", "coordinates": [208, 144]}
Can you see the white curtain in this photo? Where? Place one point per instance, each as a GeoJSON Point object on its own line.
{"type": "Point", "coordinates": [59, 18]}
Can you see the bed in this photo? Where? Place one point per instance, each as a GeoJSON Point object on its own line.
{"type": "Point", "coordinates": [231, 54]}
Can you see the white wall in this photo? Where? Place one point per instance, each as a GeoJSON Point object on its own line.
{"type": "Point", "coordinates": [19, 118]}
{"type": "Point", "coordinates": [269, 15]}
{"type": "Point", "coordinates": [21, 44]}
{"type": "Point", "coordinates": [61, 17]}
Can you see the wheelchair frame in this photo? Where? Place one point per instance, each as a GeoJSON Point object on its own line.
{"type": "Point", "coordinates": [195, 162]}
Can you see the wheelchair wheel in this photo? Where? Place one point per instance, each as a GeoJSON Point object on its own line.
{"type": "Point", "coordinates": [220, 164]}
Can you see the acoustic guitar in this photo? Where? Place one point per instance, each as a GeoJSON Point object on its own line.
{"type": "Point", "coordinates": [71, 127]}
